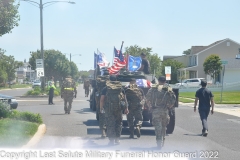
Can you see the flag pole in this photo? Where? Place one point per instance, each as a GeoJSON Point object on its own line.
{"type": "Point", "coordinates": [113, 55]}
{"type": "Point", "coordinates": [121, 46]}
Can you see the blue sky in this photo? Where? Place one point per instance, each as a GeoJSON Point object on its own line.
{"type": "Point", "coordinates": [168, 27]}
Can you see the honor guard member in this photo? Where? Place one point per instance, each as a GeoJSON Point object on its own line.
{"type": "Point", "coordinates": [160, 97]}
{"type": "Point", "coordinates": [86, 86]}
{"type": "Point", "coordinates": [68, 91]}
{"type": "Point", "coordinates": [114, 102]}
{"type": "Point", "coordinates": [135, 98]}
{"type": "Point", "coordinates": [101, 83]}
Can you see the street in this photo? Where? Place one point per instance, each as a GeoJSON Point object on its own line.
{"type": "Point", "coordinates": [79, 130]}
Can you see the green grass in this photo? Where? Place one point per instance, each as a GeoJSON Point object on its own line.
{"type": "Point", "coordinates": [17, 86]}
{"type": "Point", "coordinates": [228, 97]}
{"type": "Point", "coordinates": [184, 100]}
{"type": "Point", "coordinates": [15, 133]}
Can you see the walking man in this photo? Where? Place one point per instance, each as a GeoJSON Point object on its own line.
{"type": "Point", "coordinates": [205, 97]}
{"type": "Point", "coordinates": [68, 91]}
{"type": "Point", "coordinates": [135, 98]}
{"type": "Point", "coordinates": [160, 97]}
{"type": "Point", "coordinates": [86, 86]}
{"type": "Point", "coordinates": [113, 102]}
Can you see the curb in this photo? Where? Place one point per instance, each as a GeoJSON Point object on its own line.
{"type": "Point", "coordinates": [37, 136]}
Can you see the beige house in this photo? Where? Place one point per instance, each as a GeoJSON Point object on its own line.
{"type": "Point", "coordinates": [227, 49]}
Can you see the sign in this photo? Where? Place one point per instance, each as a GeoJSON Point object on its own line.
{"type": "Point", "coordinates": [224, 62]}
{"type": "Point", "coordinates": [167, 69]}
{"type": "Point", "coordinates": [168, 77]}
{"type": "Point", "coordinates": [40, 72]}
{"type": "Point", "coordinates": [39, 63]}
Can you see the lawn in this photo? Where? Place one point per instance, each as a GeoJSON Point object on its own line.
{"type": "Point", "coordinates": [17, 86]}
{"type": "Point", "coordinates": [185, 100]}
{"type": "Point", "coordinates": [15, 133]}
{"type": "Point", "coordinates": [228, 97]}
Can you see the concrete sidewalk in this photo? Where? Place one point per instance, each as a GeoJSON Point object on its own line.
{"type": "Point", "coordinates": [231, 109]}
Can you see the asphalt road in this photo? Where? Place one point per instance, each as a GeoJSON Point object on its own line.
{"type": "Point", "coordinates": [79, 130]}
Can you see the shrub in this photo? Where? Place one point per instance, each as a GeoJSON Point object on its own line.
{"type": "Point", "coordinates": [26, 116]}
{"type": "Point", "coordinates": [5, 109]}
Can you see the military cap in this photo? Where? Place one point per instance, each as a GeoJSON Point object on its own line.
{"type": "Point", "coordinates": [162, 79]}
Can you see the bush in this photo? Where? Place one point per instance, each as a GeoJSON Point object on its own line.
{"type": "Point", "coordinates": [5, 109]}
{"type": "Point", "coordinates": [26, 116]}
{"type": "Point", "coordinates": [36, 91]}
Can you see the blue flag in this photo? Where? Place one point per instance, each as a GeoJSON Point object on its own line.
{"type": "Point", "coordinates": [134, 63]}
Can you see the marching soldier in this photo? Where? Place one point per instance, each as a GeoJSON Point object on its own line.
{"type": "Point", "coordinates": [86, 86]}
{"type": "Point", "coordinates": [68, 91]}
{"type": "Point", "coordinates": [160, 98]}
{"type": "Point", "coordinates": [134, 96]}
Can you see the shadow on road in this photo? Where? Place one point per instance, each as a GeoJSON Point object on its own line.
{"type": "Point", "coordinates": [125, 131]}
{"type": "Point", "coordinates": [84, 111]}
{"type": "Point", "coordinates": [58, 114]}
{"type": "Point", "coordinates": [192, 134]}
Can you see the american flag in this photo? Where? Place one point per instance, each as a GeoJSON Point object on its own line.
{"type": "Point", "coordinates": [118, 62]}
{"type": "Point", "coordinates": [143, 83]}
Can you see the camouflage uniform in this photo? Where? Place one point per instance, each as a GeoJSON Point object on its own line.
{"type": "Point", "coordinates": [160, 117]}
{"type": "Point", "coordinates": [113, 115]}
{"type": "Point", "coordinates": [68, 91]}
{"type": "Point", "coordinates": [101, 83]}
{"type": "Point", "coordinates": [135, 112]}
{"type": "Point", "coordinates": [86, 87]}
{"type": "Point", "coordinates": [102, 119]}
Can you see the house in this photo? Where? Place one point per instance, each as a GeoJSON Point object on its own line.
{"type": "Point", "coordinates": [227, 49]}
{"type": "Point", "coordinates": [25, 72]}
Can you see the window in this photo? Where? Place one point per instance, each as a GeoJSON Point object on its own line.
{"type": "Point", "coordinates": [228, 43]}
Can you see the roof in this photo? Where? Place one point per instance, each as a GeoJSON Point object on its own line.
{"type": "Point", "coordinates": [169, 57]}
{"type": "Point", "coordinates": [197, 49]}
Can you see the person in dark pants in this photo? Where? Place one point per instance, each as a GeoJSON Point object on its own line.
{"type": "Point", "coordinates": [51, 93]}
{"type": "Point", "coordinates": [205, 97]}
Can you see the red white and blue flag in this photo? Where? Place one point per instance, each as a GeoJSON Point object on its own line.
{"type": "Point", "coordinates": [118, 62]}
{"type": "Point", "coordinates": [143, 83]}
{"type": "Point", "coordinates": [101, 60]}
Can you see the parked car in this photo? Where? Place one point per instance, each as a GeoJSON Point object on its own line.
{"type": "Point", "coordinates": [195, 82]}
{"type": "Point", "coordinates": [10, 100]}
{"type": "Point", "coordinates": [36, 83]}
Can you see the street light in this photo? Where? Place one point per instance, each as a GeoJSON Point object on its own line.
{"type": "Point", "coordinates": [41, 5]}
{"type": "Point", "coordinates": [72, 56]}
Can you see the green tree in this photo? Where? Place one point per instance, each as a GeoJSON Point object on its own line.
{"type": "Point", "coordinates": [175, 65]}
{"type": "Point", "coordinates": [136, 50]}
{"type": "Point", "coordinates": [74, 71]}
{"type": "Point", "coordinates": [55, 64]}
{"type": "Point", "coordinates": [154, 59]}
{"type": "Point", "coordinates": [9, 16]}
{"type": "Point", "coordinates": [187, 52]}
{"type": "Point", "coordinates": [8, 67]}
{"type": "Point", "coordinates": [84, 74]}
{"type": "Point", "coordinates": [212, 65]}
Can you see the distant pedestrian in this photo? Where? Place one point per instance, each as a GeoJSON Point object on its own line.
{"type": "Point", "coordinates": [68, 91]}
{"type": "Point", "coordinates": [86, 87]}
{"type": "Point", "coordinates": [51, 88]}
{"type": "Point", "coordinates": [205, 97]}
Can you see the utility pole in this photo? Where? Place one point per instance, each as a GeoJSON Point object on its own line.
{"type": "Point", "coordinates": [41, 32]}
{"type": "Point", "coordinates": [70, 57]}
